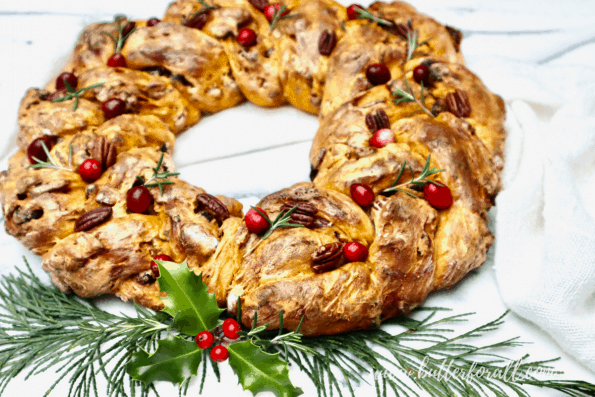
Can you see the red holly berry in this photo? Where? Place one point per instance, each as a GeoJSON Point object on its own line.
{"type": "Point", "coordinates": [439, 197]}
{"type": "Point", "coordinates": [70, 78]}
{"type": "Point", "coordinates": [255, 222]}
{"type": "Point", "coordinates": [381, 138]}
{"type": "Point", "coordinates": [153, 21]}
{"type": "Point", "coordinates": [269, 11]}
{"type": "Point", "coordinates": [247, 37]}
{"type": "Point", "coordinates": [138, 199]}
{"type": "Point", "coordinates": [204, 339]}
{"type": "Point", "coordinates": [113, 107]}
{"type": "Point", "coordinates": [378, 74]}
{"type": "Point", "coordinates": [117, 61]}
{"type": "Point", "coordinates": [155, 266]}
{"type": "Point", "coordinates": [352, 13]}
{"type": "Point", "coordinates": [90, 170]}
{"type": "Point", "coordinates": [362, 194]}
{"type": "Point", "coordinates": [230, 328]}
{"type": "Point", "coordinates": [355, 252]}
{"type": "Point", "coordinates": [219, 354]}
{"type": "Point", "coordinates": [422, 73]}
{"type": "Point", "coordinates": [35, 149]}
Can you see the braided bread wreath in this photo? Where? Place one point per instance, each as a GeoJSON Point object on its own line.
{"type": "Point", "coordinates": [191, 62]}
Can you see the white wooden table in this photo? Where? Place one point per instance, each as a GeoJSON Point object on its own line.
{"type": "Point", "coordinates": [248, 152]}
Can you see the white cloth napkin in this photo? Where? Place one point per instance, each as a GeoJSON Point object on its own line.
{"type": "Point", "coordinates": [545, 222]}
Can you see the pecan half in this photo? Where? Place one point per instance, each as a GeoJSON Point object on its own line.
{"type": "Point", "coordinates": [92, 218]}
{"type": "Point", "coordinates": [305, 214]}
{"type": "Point", "coordinates": [377, 121]}
{"type": "Point", "coordinates": [214, 205]}
{"type": "Point", "coordinates": [456, 36]}
{"type": "Point", "coordinates": [402, 30]}
{"type": "Point", "coordinates": [458, 103]}
{"type": "Point", "coordinates": [327, 257]}
{"type": "Point", "coordinates": [260, 5]}
{"type": "Point", "coordinates": [327, 42]}
{"type": "Point", "coordinates": [105, 152]}
{"type": "Point", "coordinates": [197, 21]}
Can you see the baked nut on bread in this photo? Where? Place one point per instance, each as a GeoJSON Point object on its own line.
{"type": "Point", "coordinates": [433, 114]}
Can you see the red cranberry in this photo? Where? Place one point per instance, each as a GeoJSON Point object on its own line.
{"type": "Point", "coordinates": [155, 266]}
{"type": "Point", "coordinates": [422, 73]}
{"type": "Point", "coordinates": [113, 107]}
{"type": "Point", "coordinates": [219, 354]}
{"type": "Point", "coordinates": [117, 61]}
{"type": "Point", "coordinates": [381, 138]}
{"type": "Point", "coordinates": [271, 9]}
{"type": "Point", "coordinates": [439, 197]}
{"type": "Point", "coordinates": [355, 252]}
{"type": "Point", "coordinates": [378, 74]}
{"type": "Point", "coordinates": [247, 37]}
{"type": "Point", "coordinates": [70, 78]}
{"type": "Point", "coordinates": [204, 339]}
{"type": "Point", "coordinates": [128, 28]}
{"type": "Point", "coordinates": [230, 328]}
{"type": "Point", "coordinates": [35, 149]}
{"type": "Point", "coordinates": [255, 222]}
{"type": "Point", "coordinates": [57, 95]}
{"type": "Point", "coordinates": [138, 199]}
{"type": "Point", "coordinates": [362, 194]}
{"type": "Point", "coordinates": [352, 13]}
{"type": "Point", "coordinates": [153, 21]}
{"type": "Point", "coordinates": [90, 170]}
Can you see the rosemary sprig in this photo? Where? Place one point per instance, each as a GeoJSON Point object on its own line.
{"type": "Point", "coordinates": [72, 93]}
{"type": "Point", "coordinates": [52, 163]}
{"type": "Point", "coordinates": [278, 15]}
{"type": "Point", "coordinates": [419, 180]}
{"type": "Point", "coordinates": [365, 14]}
{"type": "Point", "coordinates": [413, 44]}
{"type": "Point", "coordinates": [407, 96]}
{"type": "Point", "coordinates": [121, 39]}
{"type": "Point", "coordinates": [279, 222]}
{"type": "Point", "coordinates": [160, 178]}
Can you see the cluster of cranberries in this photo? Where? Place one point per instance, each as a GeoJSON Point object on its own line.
{"type": "Point", "coordinates": [247, 37]}
{"type": "Point", "coordinates": [205, 339]}
{"type": "Point", "coordinates": [439, 196]}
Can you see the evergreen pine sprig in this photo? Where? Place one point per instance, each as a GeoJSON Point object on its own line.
{"type": "Point", "coordinates": [365, 14]}
{"type": "Point", "coordinates": [278, 15]}
{"type": "Point", "coordinates": [160, 178]}
{"type": "Point", "coordinates": [419, 180]}
{"type": "Point", "coordinates": [121, 39]}
{"type": "Point", "coordinates": [76, 94]}
{"type": "Point", "coordinates": [52, 163]}
{"type": "Point", "coordinates": [280, 221]}
{"type": "Point", "coordinates": [407, 96]}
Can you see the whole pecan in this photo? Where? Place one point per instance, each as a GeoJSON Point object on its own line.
{"type": "Point", "coordinates": [197, 21]}
{"type": "Point", "coordinates": [214, 205]}
{"type": "Point", "coordinates": [105, 152]}
{"type": "Point", "coordinates": [377, 121]}
{"type": "Point", "coordinates": [327, 257]}
{"type": "Point", "coordinates": [92, 218]}
{"type": "Point", "coordinates": [458, 103]}
{"type": "Point", "coordinates": [260, 5]}
{"type": "Point", "coordinates": [327, 42]}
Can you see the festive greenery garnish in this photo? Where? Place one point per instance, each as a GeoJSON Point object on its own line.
{"type": "Point", "coordinates": [413, 43]}
{"type": "Point", "coordinates": [278, 15]}
{"type": "Point", "coordinates": [72, 93]}
{"type": "Point", "coordinates": [365, 14]}
{"type": "Point", "coordinates": [44, 328]}
{"type": "Point", "coordinates": [121, 39]}
{"type": "Point", "coordinates": [407, 96]}
{"type": "Point", "coordinates": [52, 163]}
{"type": "Point", "coordinates": [419, 180]}
{"type": "Point", "coordinates": [175, 361]}
{"type": "Point", "coordinates": [187, 298]}
{"type": "Point", "coordinates": [280, 221]}
{"type": "Point", "coordinates": [160, 178]}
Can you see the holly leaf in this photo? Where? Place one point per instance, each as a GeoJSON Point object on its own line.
{"type": "Point", "coordinates": [187, 299]}
{"type": "Point", "coordinates": [258, 371]}
{"type": "Point", "coordinates": [175, 360]}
